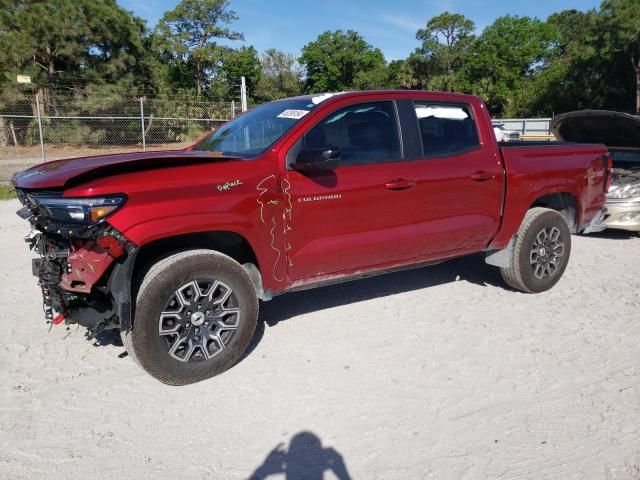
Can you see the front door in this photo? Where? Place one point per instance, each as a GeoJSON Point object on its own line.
{"type": "Point", "coordinates": [355, 217]}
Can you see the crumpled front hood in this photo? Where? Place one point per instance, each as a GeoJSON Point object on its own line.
{"type": "Point", "coordinates": [64, 173]}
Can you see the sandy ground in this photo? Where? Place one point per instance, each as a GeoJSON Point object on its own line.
{"type": "Point", "coordinates": [438, 373]}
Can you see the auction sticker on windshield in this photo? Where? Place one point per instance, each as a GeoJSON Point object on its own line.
{"type": "Point", "coordinates": [295, 114]}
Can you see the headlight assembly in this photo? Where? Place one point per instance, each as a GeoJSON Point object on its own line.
{"type": "Point", "coordinates": [78, 211]}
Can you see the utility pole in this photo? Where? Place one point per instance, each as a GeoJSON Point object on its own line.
{"type": "Point", "coordinates": [243, 94]}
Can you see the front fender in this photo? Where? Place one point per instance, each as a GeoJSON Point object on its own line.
{"type": "Point", "coordinates": [171, 226]}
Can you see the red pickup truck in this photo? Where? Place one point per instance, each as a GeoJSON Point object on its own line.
{"type": "Point", "coordinates": [175, 249]}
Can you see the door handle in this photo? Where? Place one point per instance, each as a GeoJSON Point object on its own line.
{"type": "Point", "coordinates": [400, 184]}
{"type": "Point", "coordinates": [481, 176]}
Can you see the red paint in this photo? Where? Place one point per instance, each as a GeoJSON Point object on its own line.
{"type": "Point", "coordinates": [111, 245]}
{"type": "Point", "coordinates": [88, 262]}
{"type": "Point", "coordinates": [369, 217]}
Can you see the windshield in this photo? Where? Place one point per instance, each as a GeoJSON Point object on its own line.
{"type": "Point", "coordinates": [254, 132]}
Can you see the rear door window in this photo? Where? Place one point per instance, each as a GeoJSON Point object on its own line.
{"type": "Point", "coordinates": [446, 129]}
{"type": "Point", "coordinates": [364, 133]}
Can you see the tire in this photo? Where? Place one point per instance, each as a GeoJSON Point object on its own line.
{"type": "Point", "coordinates": [175, 305]}
{"type": "Point", "coordinates": [534, 245]}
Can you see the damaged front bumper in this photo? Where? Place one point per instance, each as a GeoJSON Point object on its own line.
{"type": "Point", "coordinates": [76, 269]}
{"type": "Point", "coordinates": [74, 277]}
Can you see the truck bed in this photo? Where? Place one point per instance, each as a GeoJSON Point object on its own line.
{"type": "Point", "coordinates": [558, 167]}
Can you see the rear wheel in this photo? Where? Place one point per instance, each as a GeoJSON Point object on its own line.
{"type": "Point", "coordinates": [541, 252]}
{"type": "Point", "coordinates": [196, 313]}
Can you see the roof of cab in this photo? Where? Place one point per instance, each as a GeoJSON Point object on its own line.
{"type": "Point", "coordinates": [318, 98]}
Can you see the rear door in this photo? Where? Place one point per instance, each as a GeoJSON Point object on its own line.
{"type": "Point", "coordinates": [457, 196]}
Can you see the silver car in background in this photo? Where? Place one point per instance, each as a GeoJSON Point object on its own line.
{"type": "Point", "coordinates": [503, 134]}
{"type": "Point", "coordinates": [620, 132]}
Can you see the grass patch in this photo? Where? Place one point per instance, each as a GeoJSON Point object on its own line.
{"type": "Point", "coordinates": [7, 192]}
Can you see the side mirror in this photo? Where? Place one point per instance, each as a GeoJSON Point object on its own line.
{"type": "Point", "coordinates": [316, 159]}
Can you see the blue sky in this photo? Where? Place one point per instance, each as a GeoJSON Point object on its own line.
{"type": "Point", "coordinates": [387, 24]}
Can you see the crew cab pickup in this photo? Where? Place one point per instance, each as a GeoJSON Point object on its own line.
{"type": "Point", "coordinates": [175, 249]}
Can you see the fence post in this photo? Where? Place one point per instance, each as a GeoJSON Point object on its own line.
{"type": "Point", "coordinates": [40, 127]}
{"type": "Point", "coordinates": [144, 140]}
{"type": "Point", "coordinates": [233, 108]}
{"type": "Point", "coordinates": [524, 127]}
{"type": "Point", "coordinates": [243, 94]}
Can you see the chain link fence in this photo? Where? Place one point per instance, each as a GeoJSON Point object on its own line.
{"type": "Point", "coordinates": [40, 127]}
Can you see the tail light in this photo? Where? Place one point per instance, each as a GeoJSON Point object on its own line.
{"type": "Point", "coordinates": [608, 159]}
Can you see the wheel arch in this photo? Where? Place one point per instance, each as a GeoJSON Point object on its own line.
{"type": "Point", "coordinates": [560, 199]}
{"type": "Point", "coordinates": [564, 203]}
{"type": "Point", "coordinates": [226, 242]}
{"type": "Point", "coordinates": [145, 256]}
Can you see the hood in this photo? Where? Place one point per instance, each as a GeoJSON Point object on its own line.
{"type": "Point", "coordinates": [65, 173]}
{"type": "Point", "coordinates": [614, 129]}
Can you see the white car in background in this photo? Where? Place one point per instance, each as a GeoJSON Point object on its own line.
{"type": "Point", "coordinates": [503, 134]}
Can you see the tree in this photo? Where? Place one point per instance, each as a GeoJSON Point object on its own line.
{"type": "Point", "coordinates": [70, 43]}
{"type": "Point", "coordinates": [243, 62]}
{"type": "Point", "coordinates": [445, 44]}
{"type": "Point", "coordinates": [580, 73]}
{"type": "Point", "coordinates": [189, 34]}
{"type": "Point", "coordinates": [622, 17]}
{"type": "Point", "coordinates": [281, 76]}
{"type": "Point", "coordinates": [338, 61]}
{"type": "Point", "coordinates": [506, 56]}
{"type": "Point", "coordinates": [588, 69]}
{"type": "Point", "coordinates": [412, 73]}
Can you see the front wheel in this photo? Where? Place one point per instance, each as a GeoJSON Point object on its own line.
{"type": "Point", "coordinates": [541, 253]}
{"type": "Point", "coordinates": [196, 313]}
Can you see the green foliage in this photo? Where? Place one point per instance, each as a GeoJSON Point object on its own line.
{"type": "Point", "coordinates": [188, 35]}
{"type": "Point", "coordinates": [506, 56]}
{"type": "Point", "coordinates": [591, 67]}
{"type": "Point", "coordinates": [7, 192]}
{"type": "Point", "coordinates": [281, 76]}
{"type": "Point", "coordinates": [243, 62]}
{"type": "Point", "coordinates": [621, 19]}
{"type": "Point", "coordinates": [580, 75]}
{"type": "Point", "coordinates": [70, 42]}
{"type": "Point", "coordinates": [445, 45]}
{"type": "Point", "coordinates": [339, 60]}
{"type": "Point", "coordinates": [412, 73]}
{"type": "Point", "coordinates": [83, 55]}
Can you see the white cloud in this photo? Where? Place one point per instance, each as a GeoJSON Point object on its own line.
{"type": "Point", "coordinates": [404, 23]}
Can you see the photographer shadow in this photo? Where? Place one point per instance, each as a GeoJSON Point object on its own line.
{"type": "Point", "coordinates": [305, 459]}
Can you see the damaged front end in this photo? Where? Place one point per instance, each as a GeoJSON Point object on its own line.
{"type": "Point", "coordinates": [79, 252]}
{"type": "Point", "coordinates": [623, 198]}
